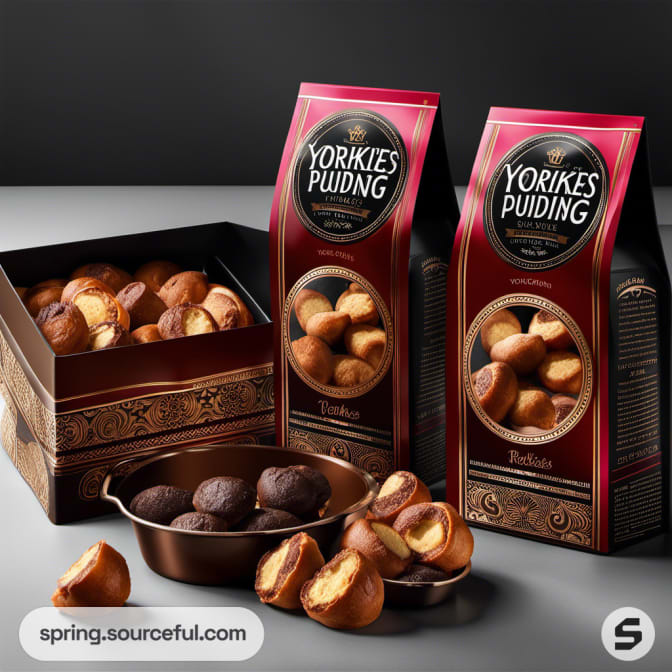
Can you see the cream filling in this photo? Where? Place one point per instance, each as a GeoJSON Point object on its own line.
{"type": "Point", "coordinates": [333, 581]}
{"type": "Point", "coordinates": [391, 539]}
{"type": "Point", "coordinates": [79, 566]}
{"type": "Point", "coordinates": [272, 566]}
{"type": "Point", "coordinates": [561, 368]}
{"type": "Point", "coordinates": [313, 306]}
{"type": "Point", "coordinates": [102, 338]}
{"type": "Point", "coordinates": [196, 322]}
{"type": "Point", "coordinates": [502, 330]}
{"type": "Point", "coordinates": [93, 308]}
{"type": "Point", "coordinates": [425, 536]}
{"type": "Point", "coordinates": [391, 485]}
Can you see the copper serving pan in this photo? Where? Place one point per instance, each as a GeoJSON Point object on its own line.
{"type": "Point", "coordinates": [422, 594]}
{"type": "Point", "coordinates": [215, 558]}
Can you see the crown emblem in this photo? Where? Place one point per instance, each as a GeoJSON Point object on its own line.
{"type": "Point", "coordinates": [357, 134]}
{"type": "Point", "coordinates": [556, 155]}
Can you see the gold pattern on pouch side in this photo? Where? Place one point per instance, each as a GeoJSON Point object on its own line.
{"type": "Point", "coordinates": [378, 462]}
{"type": "Point", "coordinates": [529, 513]}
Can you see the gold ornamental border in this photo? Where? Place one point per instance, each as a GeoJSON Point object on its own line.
{"type": "Point", "coordinates": [510, 509]}
{"type": "Point", "coordinates": [378, 461]}
{"type": "Point", "coordinates": [585, 394]}
{"type": "Point", "coordinates": [243, 391]}
{"type": "Point", "coordinates": [594, 157]}
{"type": "Point", "coordinates": [331, 390]}
{"type": "Point", "coordinates": [342, 431]}
{"type": "Point", "coordinates": [387, 435]}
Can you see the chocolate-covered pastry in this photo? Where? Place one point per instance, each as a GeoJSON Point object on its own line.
{"type": "Point", "coordinates": [423, 574]}
{"type": "Point", "coordinates": [399, 491]}
{"type": "Point", "coordinates": [289, 489]}
{"type": "Point", "coordinates": [268, 519]}
{"type": "Point", "coordinates": [81, 283]}
{"type": "Point", "coordinates": [64, 327]}
{"type": "Point", "coordinates": [161, 503]}
{"type": "Point", "coordinates": [227, 497]}
{"type": "Point", "coordinates": [42, 294]}
{"type": "Point", "coordinates": [111, 275]}
{"type": "Point", "coordinates": [187, 319]}
{"type": "Point", "coordinates": [146, 334]}
{"type": "Point", "coordinates": [108, 335]}
{"type": "Point", "coordinates": [223, 309]}
{"type": "Point", "coordinates": [155, 273]}
{"type": "Point", "coordinates": [185, 287]}
{"type": "Point", "coordinates": [319, 481]}
{"type": "Point", "coordinates": [437, 534]}
{"type": "Point", "coordinates": [142, 304]}
{"type": "Point", "coordinates": [283, 570]}
{"type": "Point", "coordinates": [199, 522]}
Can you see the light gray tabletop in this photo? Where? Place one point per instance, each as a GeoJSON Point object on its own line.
{"type": "Point", "coordinates": [526, 606]}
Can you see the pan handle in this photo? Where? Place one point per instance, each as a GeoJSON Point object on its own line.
{"type": "Point", "coordinates": [111, 481]}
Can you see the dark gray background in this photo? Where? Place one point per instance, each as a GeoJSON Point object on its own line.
{"type": "Point", "coordinates": [202, 91]}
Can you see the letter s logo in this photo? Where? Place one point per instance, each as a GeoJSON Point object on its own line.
{"type": "Point", "coordinates": [628, 633]}
{"type": "Point", "coordinates": [635, 636]}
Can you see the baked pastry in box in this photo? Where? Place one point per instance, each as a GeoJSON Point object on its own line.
{"type": "Point", "coordinates": [66, 418]}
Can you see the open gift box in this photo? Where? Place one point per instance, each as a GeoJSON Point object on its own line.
{"type": "Point", "coordinates": [67, 418]}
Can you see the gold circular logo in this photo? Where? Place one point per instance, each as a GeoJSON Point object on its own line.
{"type": "Point", "coordinates": [545, 200]}
{"type": "Point", "coordinates": [585, 393]}
{"type": "Point", "coordinates": [348, 175]}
